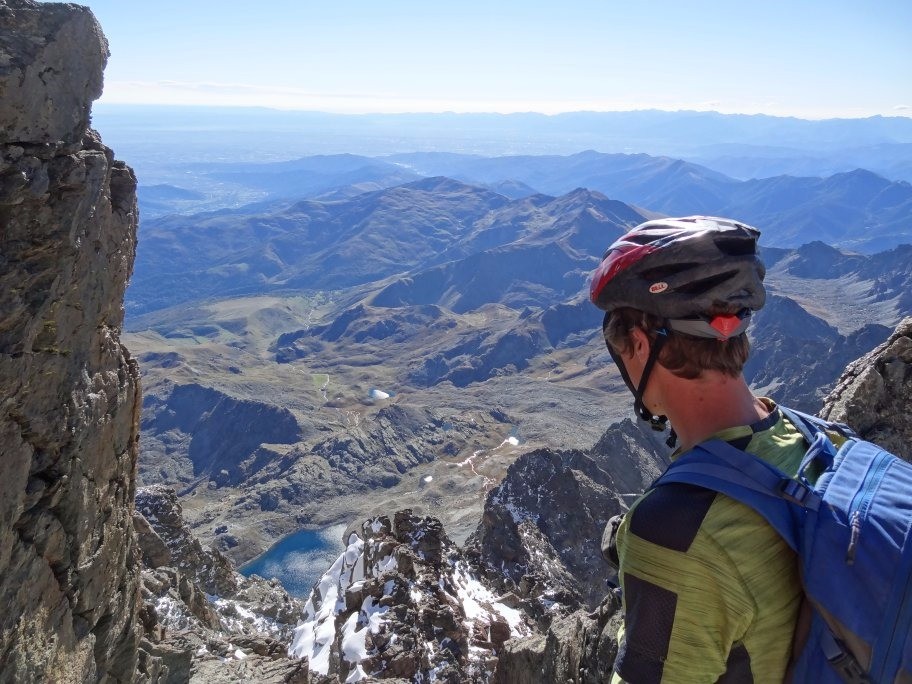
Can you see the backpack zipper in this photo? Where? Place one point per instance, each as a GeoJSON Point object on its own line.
{"type": "Point", "coordinates": [858, 509]}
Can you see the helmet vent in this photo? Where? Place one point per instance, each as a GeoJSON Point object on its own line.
{"type": "Point", "coordinates": [736, 246]}
{"type": "Point", "coordinates": [666, 271]}
{"type": "Point", "coordinates": [706, 284]}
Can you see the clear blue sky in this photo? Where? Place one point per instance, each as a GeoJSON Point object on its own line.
{"type": "Point", "coordinates": [806, 58]}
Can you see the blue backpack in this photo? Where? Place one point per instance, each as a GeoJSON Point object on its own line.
{"type": "Point", "coordinates": [852, 531]}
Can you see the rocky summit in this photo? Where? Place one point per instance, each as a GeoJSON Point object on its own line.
{"type": "Point", "coordinates": [201, 620]}
{"type": "Point", "coordinates": [527, 599]}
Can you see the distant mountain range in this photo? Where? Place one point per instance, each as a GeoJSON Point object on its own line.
{"type": "Point", "coordinates": [153, 137]}
{"type": "Point", "coordinates": [433, 222]}
{"type": "Point", "coordinates": [409, 259]}
{"type": "Point", "coordinates": [856, 210]}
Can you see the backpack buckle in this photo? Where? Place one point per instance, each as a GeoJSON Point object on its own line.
{"type": "Point", "coordinates": [795, 491]}
{"type": "Point", "coordinates": [849, 669]}
{"type": "Point", "coordinates": [842, 660]}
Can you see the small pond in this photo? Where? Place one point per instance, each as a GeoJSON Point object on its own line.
{"type": "Point", "coordinates": [299, 559]}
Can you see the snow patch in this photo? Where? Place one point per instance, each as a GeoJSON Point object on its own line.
{"type": "Point", "coordinates": [387, 564]}
{"type": "Point", "coordinates": [238, 618]}
{"type": "Point", "coordinates": [480, 604]}
{"type": "Point", "coordinates": [354, 640]}
{"type": "Point", "coordinates": [518, 513]}
{"type": "Point", "coordinates": [314, 635]}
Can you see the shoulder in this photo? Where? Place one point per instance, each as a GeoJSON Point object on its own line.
{"type": "Point", "coordinates": [671, 515]}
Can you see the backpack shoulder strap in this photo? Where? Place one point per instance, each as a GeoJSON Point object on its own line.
{"type": "Point", "coordinates": [810, 426]}
{"type": "Point", "coordinates": [717, 465]}
{"type": "Point", "coordinates": [815, 432]}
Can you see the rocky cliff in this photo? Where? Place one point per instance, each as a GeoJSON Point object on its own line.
{"type": "Point", "coordinates": [69, 394]}
{"type": "Point", "coordinates": [874, 394]}
{"type": "Point", "coordinates": [527, 599]}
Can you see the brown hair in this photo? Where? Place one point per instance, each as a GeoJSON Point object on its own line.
{"type": "Point", "coordinates": [684, 355]}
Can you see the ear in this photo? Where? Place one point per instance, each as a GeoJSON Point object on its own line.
{"type": "Point", "coordinates": [640, 342]}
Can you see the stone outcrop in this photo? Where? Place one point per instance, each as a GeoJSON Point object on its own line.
{"type": "Point", "coordinates": [539, 524]}
{"type": "Point", "coordinates": [404, 603]}
{"type": "Point", "coordinates": [874, 394]}
{"type": "Point", "coordinates": [159, 507]}
{"type": "Point", "coordinates": [542, 525]}
{"type": "Point", "coordinates": [578, 648]}
{"type": "Point", "coordinates": [69, 393]}
{"type": "Point", "coordinates": [202, 621]}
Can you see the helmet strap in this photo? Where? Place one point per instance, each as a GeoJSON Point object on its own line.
{"type": "Point", "coordinates": [657, 423]}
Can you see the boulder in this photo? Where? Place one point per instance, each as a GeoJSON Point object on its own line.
{"type": "Point", "coordinates": [52, 57]}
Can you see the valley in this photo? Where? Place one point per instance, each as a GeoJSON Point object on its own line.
{"type": "Point", "coordinates": [391, 338]}
{"type": "Point", "coordinates": [435, 448]}
{"type": "Point", "coordinates": [315, 408]}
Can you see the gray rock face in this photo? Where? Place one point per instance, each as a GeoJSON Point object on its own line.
{"type": "Point", "coordinates": [69, 393]}
{"type": "Point", "coordinates": [542, 526]}
{"type": "Point", "coordinates": [51, 61]}
{"type": "Point", "coordinates": [874, 394]}
{"type": "Point", "coordinates": [160, 507]}
{"type": "Point", "coordinates": [633, 453]}
{"type": "Point", "coordinates": [578, 648]}
{"type": "Point", "coordinates": [222, 434]}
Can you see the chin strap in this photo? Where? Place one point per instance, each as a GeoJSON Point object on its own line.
{"type": "Point", "coordinates": [658, 423]}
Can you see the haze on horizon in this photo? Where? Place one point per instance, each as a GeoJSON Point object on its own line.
{"type": "Point", "coordinates": [815, 59]}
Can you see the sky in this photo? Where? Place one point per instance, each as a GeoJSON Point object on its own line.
{"type": "Point", "coordinates": [806, 58]}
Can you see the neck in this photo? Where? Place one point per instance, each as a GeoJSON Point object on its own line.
{"type": "Point", "coordinates": [700, 408]}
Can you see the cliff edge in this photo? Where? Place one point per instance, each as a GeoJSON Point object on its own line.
{"type": "Point", "coordinates": [69, 391]}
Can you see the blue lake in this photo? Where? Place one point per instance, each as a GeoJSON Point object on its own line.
{"type": "Point", "coordinates": [299, 559]}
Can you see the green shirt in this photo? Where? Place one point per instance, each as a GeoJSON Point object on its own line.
{"type": "Point", "coordinates": [711, 592]}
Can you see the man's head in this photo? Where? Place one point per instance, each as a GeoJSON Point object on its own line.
{"type": "Point", "coordinates": [690, 285]}
{"type": "Point", "coordinates": [684, 355]}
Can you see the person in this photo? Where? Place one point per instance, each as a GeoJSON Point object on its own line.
{"type": "Point", "coordinates": [710, 591]}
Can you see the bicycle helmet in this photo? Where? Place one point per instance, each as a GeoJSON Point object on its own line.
{"type": "Point", "coordinates": [681, 269]}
